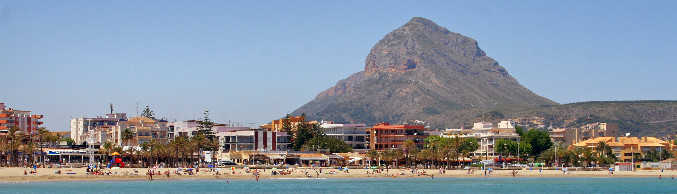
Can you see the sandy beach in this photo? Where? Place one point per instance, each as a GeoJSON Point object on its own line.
{"type": "Point", "coordinates": [15, 174]}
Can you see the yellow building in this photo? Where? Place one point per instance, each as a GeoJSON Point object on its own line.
{"type": "Point", "coordinates": [625, 147]}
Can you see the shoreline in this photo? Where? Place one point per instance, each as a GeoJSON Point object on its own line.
{"type": "Point", "coordinates": [15, 174]}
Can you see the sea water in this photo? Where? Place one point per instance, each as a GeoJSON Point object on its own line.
{"type": "Point", "coordinates": [371, 185]}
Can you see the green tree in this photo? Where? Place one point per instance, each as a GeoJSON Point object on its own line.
{"type": "Point", "coordinates": [304, 132]}
{"type": "Point", "coordinates": [323, 142]}
{"type": "Point", "coordinates": [107, 149]}
{"type": "Point", "coordinates": [407, 150]}
{"type": "Point", "coordinates": [520, 131]}
{"type": "Point", "coordinates": [205, 127]}
{"type": "Point", "coordinates": [43, 136]}
{"type": "Point", "coordinates": [604, 153]}
{"type": "Point", "coordinates": [148, 113]}
{"type": "Point", "coordinates": [373, 155]}
{"type": "Point", "coordinates": [68, 140]}
{"type": "Point", "coordinates": [539, 141]}
{"type": "Point", "coordinates": [127, 135]}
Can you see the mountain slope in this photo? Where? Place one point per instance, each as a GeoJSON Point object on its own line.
{"type": "Point", "coordinates": [422, 71]}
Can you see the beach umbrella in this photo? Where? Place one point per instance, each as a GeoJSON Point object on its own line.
{"type": "Point", "coordinates": [210, 166]}
{"type": "Point", "coordinates": [115, 154]}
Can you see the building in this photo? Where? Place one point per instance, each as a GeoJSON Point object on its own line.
{"type": "Point", "coordinates": [625, 147]}
{"type": "Point", "coordinates": [354, 135]}
{"type": "Point", "coordinates": [569, 136]}
{"type": "Point", "coordinates": [18, 118]}
{"type": "Point", "coordinates": [248, 140]}
{"type": "Point", "coordinates": [111, 127]}
{"type": "Point", "coordinates": [385, 136]}
{"type": "Point", "coordinates": [486, 135]}
{"type": "Point", "coordinates": [292, 122]}
{"type": "Point", "coordinates": [190, 127]}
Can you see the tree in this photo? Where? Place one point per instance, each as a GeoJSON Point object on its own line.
{"type": "Point", "coordinates": [107, 148]}
{"type": "Point", "coordinates": [127, 135]}
{"type": "Point", "coordinates": [148, 113]}
{"type": "Point", "coordinates": [407, 149]}
{"type": "Point", "coordinates": [520, 131]}
{"type": "Point", "coordinates": [604, 153]}
{"type": "Point", "coordinates": [15, 137]}
{"type": "Point", "coordinates": [373, 154]}
{"type": "Point", "coordinates": [304, 132]}
{"type": "Point", "coordinates": [323, 142]}
{"type": "Point", "coordinates": [539, 141]}
{"type": "Point", "coordinates": [205, 127]}
{"type": "Point", "coordinates": [68, 140]}
{"type": "Point", "coordinates": [43, 136]}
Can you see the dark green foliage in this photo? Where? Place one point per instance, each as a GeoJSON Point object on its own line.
{"type": "Point", "coordinates": [148, 113]}
{"type": "Point", "coordinates": [303, 133]}
{"type": "Point", "coordinates": [520, 131]}
{"type": "Point", "coordinates": [539, 141]}
{"type": "Point", "coordinates": [323, 142]}
{"type": "Point", "coordinates": [205, 127]}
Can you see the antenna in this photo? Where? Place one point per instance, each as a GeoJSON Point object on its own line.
{"type": "Point", "coordinates": [111, 108]}
{"type": "Point", "coordinates": [137, 108]}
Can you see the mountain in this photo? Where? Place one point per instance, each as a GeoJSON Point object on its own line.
{"type": "Point", "coordinates": [422, 71]}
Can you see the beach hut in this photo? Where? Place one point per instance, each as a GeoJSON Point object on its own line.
{"type": "Point", "coordinates": [623, 166]}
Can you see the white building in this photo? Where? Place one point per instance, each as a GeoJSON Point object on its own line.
{"type": "Point", "coordinates": [111, 127]}
{"type": "Point", "coordinates": [486, 136]}
{"type": "Point", "coordinates": [354, 135]}
{"type": "Point", "coordinates": [247, 140]}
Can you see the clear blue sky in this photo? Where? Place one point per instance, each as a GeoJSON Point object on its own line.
{"type": "Point", "coordinates": [254, 61]}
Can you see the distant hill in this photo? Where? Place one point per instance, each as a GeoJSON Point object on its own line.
{"type": "Point", "coordinates": [422, 71]}
{"type": "Point", "coordinates": [640, 118]}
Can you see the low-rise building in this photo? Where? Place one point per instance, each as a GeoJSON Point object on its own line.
{"type": "Point", "coordinates": [625, 147]}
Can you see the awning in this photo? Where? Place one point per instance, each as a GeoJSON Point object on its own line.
{"type": "Point", "coordinates": [313, 158]}
{"type": "Point", "coordinates": [275, 157]}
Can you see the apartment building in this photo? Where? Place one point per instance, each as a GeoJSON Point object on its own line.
{"type": "Point", "coordinates": [18, 118]}
{"type": "Point", "coordinates": [109, 128]}
{"type": "Point", "coordinates": [354, 135]}
{"type": "Point", "coordinates": [569, 136]}
{"type": "Point", "coordinates": [486, 135]}
{"type": "Point", "coordinates": [385, 136]}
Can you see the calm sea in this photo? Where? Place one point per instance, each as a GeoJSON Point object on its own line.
{"type": "Point", "coordinates": [378, 185]}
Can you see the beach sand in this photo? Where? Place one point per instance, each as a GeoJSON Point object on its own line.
{"type": "Point", "coordinates": [15, 174]}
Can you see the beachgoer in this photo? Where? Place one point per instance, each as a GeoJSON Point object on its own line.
{"type": "Point", "coordinates": [25, 173]}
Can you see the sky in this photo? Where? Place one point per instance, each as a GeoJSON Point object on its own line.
{"type": "Point", "coordinates": [255, 61]}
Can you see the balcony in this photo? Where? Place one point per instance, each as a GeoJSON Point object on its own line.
{"type": "Point", "coordinates": [4, 115]}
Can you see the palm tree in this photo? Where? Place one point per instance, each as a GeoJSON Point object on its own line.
{"type": "Point", "coordinates": [426, 155]}
{"type": "Point", "coordinates": [373, 154]}
{"type": "Point", "coordinates": [108, 149]}
{"type": "Point", "coordinates": [407, 147]}
{"type": "Point", "coordinates": [28, 150]}
{"type": "Point", "coordinates": [604, 154]}
{"type": "Point", "coordinates": [14, 140]}
{"type": "Point", "coordinates": [127, 135]}
{"type": "Point", "coordinates": [43, 135]}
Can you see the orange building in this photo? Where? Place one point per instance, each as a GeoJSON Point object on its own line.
{"type": "Point", "coordinates": [18, 118]}
{"type": "Point", "coordinates": [385, 136]}
{"type": "Point", "coordinates": [277, 125]}
{"type": "Point", "coordinates": [625, 147]}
